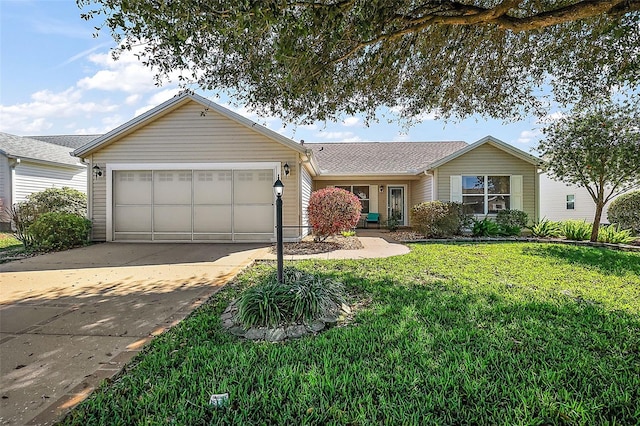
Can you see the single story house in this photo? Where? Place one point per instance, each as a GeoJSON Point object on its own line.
{"type": "Point", "coordinates": [28, 165]}
{"type": "Point", "coordinates": [191, 170]}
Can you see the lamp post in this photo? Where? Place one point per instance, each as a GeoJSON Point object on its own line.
{"type": "Point", "coordinates": [278, 189]}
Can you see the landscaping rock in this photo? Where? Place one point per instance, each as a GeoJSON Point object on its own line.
{"type": "Point", "coordinates": [256, 333]}
{"type": "Point", "coordinates": [296, 331]}
{"type": "Point", "coordinates": [237, 331]}
{"type": "Point", "coordinates": [316, 326]}
{"type": "Point", "coordinates": [275, 334]}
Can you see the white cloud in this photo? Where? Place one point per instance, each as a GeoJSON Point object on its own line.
{"type": "Point", "coordinates": [351, 121]}
{"type": "Point", "coordinates": [156, 100]}
{"type": "Point", "coordinates": [401, 137]}
{"type": "Point", "coordinates": [528, 136]}
{"type": "Point", "coordinates": [46, 108]}
{"type": "Point", "coordinates": [132, 99]}
{"type": "Point", "coordinates": [127, 74]}
{"type": "Point", "coordinates": [339, 136]}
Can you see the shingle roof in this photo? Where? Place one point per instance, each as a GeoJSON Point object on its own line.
{"type": "Point", "coordinates": [71, 141]}
{"type": "Point", "coordinates": [33, 149]}
{"type": "Point", "coordinates": [365, 158]}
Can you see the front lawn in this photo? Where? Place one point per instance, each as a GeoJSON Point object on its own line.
{"type": "Point", "coordinates": [9, 247]}
{"type": "Point", "coordinates": [507, 333]}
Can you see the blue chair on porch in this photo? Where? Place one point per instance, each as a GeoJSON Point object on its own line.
{"type": "Point", "coordinates": [372, 218]}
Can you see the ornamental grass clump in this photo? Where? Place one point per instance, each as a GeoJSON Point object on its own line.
{"type": "Point", "coordinates": [301, 298]}
{"type": "Point", "coordinates": [546, 229]}
{"type": "Point", "coordinates": [614, 235]}
{"type": "Point", "coordinates": [576, 230]}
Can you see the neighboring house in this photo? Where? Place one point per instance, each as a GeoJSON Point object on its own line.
{"type": "Point", "coordinates": [191, 170]}
{"type": "Point", "coordinates": [562, 201]}
{"type": "Point", "coordinates": [28, 165]}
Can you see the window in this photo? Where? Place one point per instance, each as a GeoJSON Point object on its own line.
{"type": "Point", "coordinates": [486, 194]}
{"type": "Point", "coordinates": [361, 191]}
{"type": "Point", "coordinates": [571, 202]}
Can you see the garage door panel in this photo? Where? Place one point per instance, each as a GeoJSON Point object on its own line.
{"type": "Point", "coordinates": [212, 187]}
{"type": "Point", "coordinates": [253, 218]}
{"type": "Point", "coordinates": [212, 219]}
{"type": "Point", "coordinates": [205, 205]}
{"type": "Point", "coordinates": [132, 187]}
{"type": "Point", "coordinates": [132, 218]}
{"type": "Point", "coordinates": [253, 186]}
{"type": "Point", "coordinates": [172, 219]}
{"type": "Point", "coordinates": [172, 187]}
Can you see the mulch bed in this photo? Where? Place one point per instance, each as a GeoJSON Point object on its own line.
{"type": "Point", "coordinates": [308, 246]}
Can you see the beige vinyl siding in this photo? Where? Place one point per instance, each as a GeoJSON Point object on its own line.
{"type": "Point", "coordinates": [35, 177]}
{"type": "Point", "coordinates": [489, 160]}
{"type": "Point", "coordinates": [186, 135]}
{"type": "Point", "coordinates": [422, 190]}
{"type": "Point", "coordinates": [306, 183]}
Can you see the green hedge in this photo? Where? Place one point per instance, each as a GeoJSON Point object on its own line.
{"type": "Point", "coordinates": [59, 231]}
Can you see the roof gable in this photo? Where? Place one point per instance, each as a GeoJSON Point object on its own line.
{"type": "Point", "coordinates": [493, 142]}
{"type": "Point", "coordinates": [172, 104]}
{"type": "Point", "coordinates": [380, 158]}
{"type": "Point", "coordinates": [36, 150]}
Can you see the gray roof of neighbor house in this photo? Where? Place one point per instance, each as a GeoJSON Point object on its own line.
{"type": "Point", "coordinates": [374, 158]}
{"type": "Point", "coordinates": [71, 141]}
{"type": "Point", "coordinates": [36, 150]}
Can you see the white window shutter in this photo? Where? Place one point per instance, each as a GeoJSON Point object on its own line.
{"type": "Point", "coordinates": [516, 192]}
{"type": "Point", "coordinates": [373, 198]}
{"type": "Point", "coordinates": [455, 189]}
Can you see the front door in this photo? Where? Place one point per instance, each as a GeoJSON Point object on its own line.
{"type": "Point", "coordinates": [396, 203]}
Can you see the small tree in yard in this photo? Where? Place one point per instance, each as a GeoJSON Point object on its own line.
{"type": "Point", "coordinates": [597, 148]}
{"type": "Point", "coordinates": [333, 210]}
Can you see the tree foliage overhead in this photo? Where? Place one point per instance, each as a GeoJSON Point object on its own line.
{"type": "Point", "coordinates": [312, 60]}
{"type": "Point", "coordinates": [597, 148]}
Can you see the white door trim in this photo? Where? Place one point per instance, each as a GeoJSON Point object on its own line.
{"type": "Point", "coordinates": [404, 202]}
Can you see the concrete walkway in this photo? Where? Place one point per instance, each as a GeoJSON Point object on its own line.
{"type": "Point", "coordinates": [69, 320]}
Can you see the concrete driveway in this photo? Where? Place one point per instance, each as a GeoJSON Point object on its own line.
{"type": "Point", "coordinates": [71, 319]}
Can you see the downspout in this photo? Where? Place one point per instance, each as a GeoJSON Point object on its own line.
{"type": "Point", "coordinates": [15, 163]}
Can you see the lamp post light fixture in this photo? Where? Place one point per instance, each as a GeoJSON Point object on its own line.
{"type": "Point", "coordinates": [278, 189]}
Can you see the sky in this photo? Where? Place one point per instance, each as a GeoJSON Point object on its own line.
{"type": "Point", "coordinates": [57, 79]}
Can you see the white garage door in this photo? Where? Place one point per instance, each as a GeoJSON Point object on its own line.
{"type": "Point", "coordinates": [193, 205]}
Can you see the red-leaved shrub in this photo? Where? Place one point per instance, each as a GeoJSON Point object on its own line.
{"type": "Point", "coordinates": [333, 210]}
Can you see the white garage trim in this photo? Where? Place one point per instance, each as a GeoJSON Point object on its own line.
{"type": "Point", "coordinates": [111, 168]}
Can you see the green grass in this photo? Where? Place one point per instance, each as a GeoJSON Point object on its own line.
{"type": "Point", "coordinates": [8, 241]}
{"type": "Point", "coordinates": [512, 333]}
{"type": "Point", "coordinates": [9, 247]}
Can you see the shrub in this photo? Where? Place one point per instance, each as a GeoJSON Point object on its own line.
{"type": "Point", "coordinates": [577, 230]}
{"type": "Point", "coordinates": [332, 210]}
{"type": "Point", "coordinates": [546, 228]}
{"type": "Point", "coordinates": [625, 211]}
{"type": "Point", "coordinates": [613, 234]}
{"type": "Point", "coordinates": [511, 222]}
{"type": "Point", "coordinates": [51, 200]}
{"type": "Point", "coordinates": [302, 298]}
{"type": "Point", "coordinates": [393, 222]}
{"type": "Point", "coordinates": [59, 231]}
{"type": "Point", "coordinates": [436, 219]}
{"type": "Point", "coordinates": [62, 200]}
{"type": "Point", "coordinates": [485, 228]}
